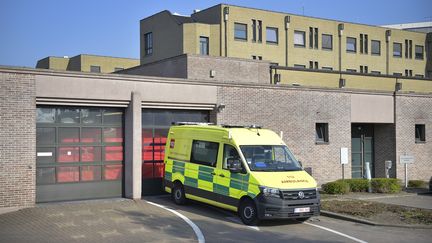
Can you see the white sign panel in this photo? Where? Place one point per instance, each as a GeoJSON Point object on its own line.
{"type": "Point", "coordinates": [44, 154]}
{"type": "Point", "coordinates": [344, 156]}
{"type": "Point", "coordinates": [406, 159]}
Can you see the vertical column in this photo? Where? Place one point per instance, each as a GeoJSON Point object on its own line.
{"type": "Point", "coordinates": [133, 146]}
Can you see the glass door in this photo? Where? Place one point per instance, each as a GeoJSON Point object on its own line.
{"type": "Point", "coordinates": [362, 150]}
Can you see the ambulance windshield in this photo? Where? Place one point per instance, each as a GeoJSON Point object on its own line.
{"type": "Point", "coordinates": [269, 158]}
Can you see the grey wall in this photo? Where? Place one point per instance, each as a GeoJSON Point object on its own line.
{"type": "Point", "coordinates": [17, 139]}
{"type": "Point", "coordinates": [172, 67]}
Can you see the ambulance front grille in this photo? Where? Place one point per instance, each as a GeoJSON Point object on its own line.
{"type": "Point", "coordinates": [296, 195]}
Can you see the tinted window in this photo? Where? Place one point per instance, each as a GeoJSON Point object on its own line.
{"type": "Point", "coordinates": [327, 42]}
{"type": "Point", "coordinates": [272, 35]}
{"type": "Point", "coordinates": [299, 38]}
{"type": "Point", "coordinates": [351, 44]}
{"type": "Point", "coordinates": [376, 47]}
{"type": "Point", "coordinates": [397, 49]}
{"type": "Point", "coordinates": [419, 52]}
{"type": "Point", "coordinates": [204, 152]}
{"type": "Point", "coordinates": [230, 152]}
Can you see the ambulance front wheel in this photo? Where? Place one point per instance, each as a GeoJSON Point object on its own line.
{"type": "Point", "coordinates": [178, 194]}
{"type": "Point", "coordinates": [248, 212]}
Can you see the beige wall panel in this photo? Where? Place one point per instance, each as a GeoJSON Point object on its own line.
{"type": "Point", "coordinates": [372, 108]}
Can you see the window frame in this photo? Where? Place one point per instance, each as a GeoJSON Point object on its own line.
{"type": "Point", "coordinates": [322, 129]}
{"type": "Point", "coordinates": [148, 44]}
{"type": "Point", "coordinates": [355, 45]}
{"type": "Point", "coordinates": [420, 133]}
{"type": "Point", "coordinates": [303, 33]}
{"type": "Point", "coordinates": [207, 45]}
{"type": "Point", "coordinates": [245, 38]}
{"type": "Point", "coordinates": [276, 31]}
{"type": "Point", "coordinates": [322, 42]}
{"type": "Point", "coordinates": [225, 166]}
{"type": "Point", "coordinates": [379, 48]}
{"type": "Point", "coordinates": [400, 51]}
{"type": "Point", "coordinates": [422, 53]}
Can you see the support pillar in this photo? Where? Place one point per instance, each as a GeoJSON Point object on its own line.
{"type": "Point", "coordinates": [133, 140]}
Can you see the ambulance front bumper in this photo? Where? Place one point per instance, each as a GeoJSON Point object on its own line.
{"type": "Point", "coordinates": [278, 208]}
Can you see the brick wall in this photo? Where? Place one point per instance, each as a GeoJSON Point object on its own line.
{"type": "Point", "coordinates": [411, 110]}
{"type": "Point", "coordinates": [295, 112]}
{"type": "Point", "coordinates": [384, 142]}
{"type": "Point", "coordinates": [17, 140]}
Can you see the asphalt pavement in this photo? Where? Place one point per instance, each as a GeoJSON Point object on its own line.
{"type": "Point", "coordinates": [158, 219]}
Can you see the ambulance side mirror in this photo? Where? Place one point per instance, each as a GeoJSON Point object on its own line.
{"type": "Point", "coordinates": [234, 165]}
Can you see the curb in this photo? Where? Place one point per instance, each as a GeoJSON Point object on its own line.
{"type": "Point", "coordinates": [367, 222]}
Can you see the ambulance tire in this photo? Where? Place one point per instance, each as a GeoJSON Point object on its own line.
{"type": "Point", "coordinates": [248, 212]}
{"type": "Point", "coordinates": [178, 194]}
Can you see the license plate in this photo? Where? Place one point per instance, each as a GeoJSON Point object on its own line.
{"type": "Point", "coordinates": [302, 210]}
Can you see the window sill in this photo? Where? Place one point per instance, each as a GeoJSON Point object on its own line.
{"type": "Point", "coordinates": [321, 143]}
{"type": "Point", "coordinates": [397, 56]}
{"type": "Point", "coordinates": [352, 52]}
{"type": "Point", "coordinates": [240, 39]}
{"type": "Point", "coordinates": [326, 49]}
{"type": "Point", "coordinates": [299, 46]}
{"type": "Point", "coordinates": [376, 54]}
{"type": "Point", "coordinates": [272, 43]}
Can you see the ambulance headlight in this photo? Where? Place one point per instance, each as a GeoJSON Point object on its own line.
{"type": "Point", "coordinates": [270, 192]}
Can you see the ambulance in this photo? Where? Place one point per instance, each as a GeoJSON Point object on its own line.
{"type": "Point", "coordinates": [245, 169]}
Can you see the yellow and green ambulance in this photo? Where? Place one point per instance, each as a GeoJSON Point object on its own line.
{"type": "Point", "coordinates": [248, 170]}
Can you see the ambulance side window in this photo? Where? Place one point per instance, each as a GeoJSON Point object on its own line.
{"type": "Point", "coordinates": [204, 152]}
{"type": "Point", "coordinates": [230, 152]}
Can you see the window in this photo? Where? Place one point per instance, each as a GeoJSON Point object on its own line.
{"type": "Point", "coordinates": [254, 57]}
{"type": "Point", "coordinates": [376, 47]}
{"type": "Point", "coordinates": [148, 44]}
{"type": "Point", "coordinates": [351, 70]}
{"type": "Point", "coordinates": [204, 45]}
{"type": "Point", "coordinates": [408, 49]}
{"type": "Point", "coordinates": [397, 74]}
{"type": "Point", "coordinates": [271, 35]}
{"type": "Point", "coordinates": [327, 68]}
{"type": "Point", "coordinates": [375, 72]}
{"type": "Point", "coordinates": [299, 38]}
{"type": "Point", "coordinates": [240, 31]}
{"type": "Point", "coordinates": [316, 38]}
{"type": "Point", "coordinates": [364, 69]}
{"type": "Point", "coordinates": [327, 42]}
{"type": "Point", "coordinates": [230, 152]}
{"type": "Point", "coordinates": [419, 76]}
{"type": "Point", "coordinates": [313, 64]}
{"type": "Point", "coordinates": [408, 72]}
{"type": "Point", "coordinates": [259, 57]}
{"type": "Point", "coordinates": [419, 52]}
{"type": "Point", "coordinates": [259, 31]}
{"type": "Point", "coordinates": [95, 69]}
{"type": "Point", "coordinates": [204, 152]}
{"type": "Point", "coordinates": [310, 37]}
{"type": "Point", "coordinates": [420, 133]}
{"type": "Point", "coordinates": [310, 64]}
{"type": "Point", "coordinates": [299, 66]}
{"type": "Point", "coordinates": [363, 43]}
{"type": "Point", "coordinates": [351, 44]}
{"type": "Point", "coordinates": [321, 132]}
{"type": "Point", "coordinates": [254, 32]}
{"type": "Point", "coordinates": [116, 69]}
{"type": "Point", "coordinates": [397, 49]}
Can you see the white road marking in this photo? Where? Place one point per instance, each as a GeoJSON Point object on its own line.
{"type": "Point", "coordinates": [237, 220]}
{"type": "Point", "coordinates": [195, 228]}
{"type": "Point", "coordinates": [336, 232]}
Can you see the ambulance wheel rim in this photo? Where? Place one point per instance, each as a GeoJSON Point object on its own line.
{"type": "Point", "coordinates": [178, 194]}
{"type": "Point", "coordinates": [248, 212]}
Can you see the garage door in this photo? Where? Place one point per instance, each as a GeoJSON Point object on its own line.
{"type": "Point", "coordinates": [79, 153]}
{"type": "Point", "coordinates": [155, 126]}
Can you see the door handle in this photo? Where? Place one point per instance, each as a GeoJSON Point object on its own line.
{"type": "Point", "coordinates": [221, 175]}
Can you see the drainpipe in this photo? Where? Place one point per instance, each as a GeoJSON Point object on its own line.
{"type": "Point", "coordinates": [287, 22]}
{"type": "Point", "coordinates": [387, 35]}
{"type": "Point", "coordinates": [340, 33]}
{"type": "Point", "coordinates": [226, 13]}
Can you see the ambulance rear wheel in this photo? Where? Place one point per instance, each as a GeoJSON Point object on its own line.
{"type": "Point", "coordinates": [248, 212]}
{"type": "Point", "coordinates": [178, 194]}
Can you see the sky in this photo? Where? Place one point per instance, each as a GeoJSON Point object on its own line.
{"type": "Point", "coordinates": [33, 29]}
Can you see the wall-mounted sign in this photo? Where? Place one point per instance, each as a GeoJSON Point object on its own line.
{"type": "Point", "coordinates": [44, 154]}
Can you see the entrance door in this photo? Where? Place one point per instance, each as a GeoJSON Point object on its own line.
{"type": "Point", "coordinates": [362, 149]}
